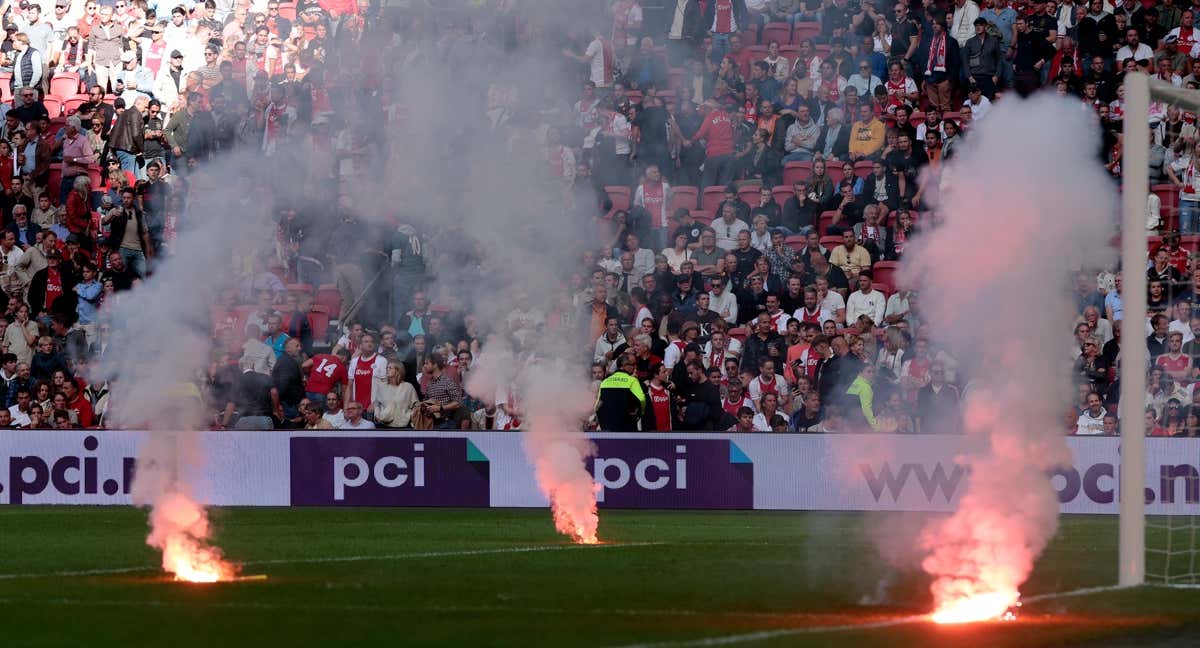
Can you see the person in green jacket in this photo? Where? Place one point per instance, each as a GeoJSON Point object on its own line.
{"type": "Point", "coordinates": [862, 391]}
{"type": "Point", "coordinates": [620, 400]}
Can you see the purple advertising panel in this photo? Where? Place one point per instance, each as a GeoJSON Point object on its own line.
{"type": "Point", "coordinates": [388, 471]}
{"type": "Point", "coordinates": [672, 473]}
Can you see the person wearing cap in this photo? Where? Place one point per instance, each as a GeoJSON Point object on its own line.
{"type": "Point", "coordinates": [128, 134]}
{"type": "Point", "coordinates": [982, 57]}
{"type": "Point", "coordinates": [171, 82]}
{"type": "Point", "coordinates": [137, 79]}
{"type": "Point", "coordinates": [105, 44]}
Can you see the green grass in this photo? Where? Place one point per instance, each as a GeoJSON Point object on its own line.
{"type": "Point", "coordinates": [711, 575]}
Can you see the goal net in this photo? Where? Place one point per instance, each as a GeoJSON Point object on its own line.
{"type": "Point", "coordinates": [1158, 549]}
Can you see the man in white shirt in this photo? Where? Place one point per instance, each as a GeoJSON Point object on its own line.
{"type": "Point", "coordinates": [354, 419]}
{"type": "Point", "coordinates": [865, 301]}
{"type": "Point", "coordinates": [962, 23]}
{"type": "Point", "coordinates": [333, 410]}
{"type": "Point", "coordinates": [977, 103]}
{"type": "Point", "coordinates": [1134, 48]}
{"type": "Point", "coordinates": [722, 301]}
{"type": "Point", "coordinates": [727, 227]}
{"type": "Point", "coordinates": [20, 410]}
{"type": "Point", "coordinates": [1091, 421]}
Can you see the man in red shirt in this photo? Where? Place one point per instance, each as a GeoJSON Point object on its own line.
{"type": "Point", "coordinates": [366, 368]}
{"type": "Point", "coordinates": [658, 415]}
{"type": "Point", "coordinates": [717, 132]}
{"type": "Point", "coordinates": [1174, 362]}
{"type": "Point", "coordinates": [78, 403]}
{"type": "Point", "coordinates": [326, 372]}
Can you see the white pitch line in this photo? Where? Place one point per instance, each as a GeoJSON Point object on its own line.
{"type": "Point", "coordinates": [787, 632]}
{"type": "Point", "coordinates": [343, 559]}
{"type": "Point", "coordinates": [763, 635]}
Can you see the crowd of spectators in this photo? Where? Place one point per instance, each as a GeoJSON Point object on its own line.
{"type": "Point", "coordinates": [744, 176]}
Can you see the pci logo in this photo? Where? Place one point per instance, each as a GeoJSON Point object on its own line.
{"type": "Point", "coordinates": [388, 471]}
{"type": "Point", "coordinates": [1171, 484]}
{"type": "Point", "coordinates": [672, 473]}
{"type": "Point", "coordinates": [77, 478]}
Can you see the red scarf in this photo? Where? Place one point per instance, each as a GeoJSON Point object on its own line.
{"type": "Point", "coordinates": [937, 55]}
{"type": "Point", "coordinates": [606, 50]}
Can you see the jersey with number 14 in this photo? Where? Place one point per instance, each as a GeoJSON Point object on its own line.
{"type": "Point", "coordinates": [327, 370]}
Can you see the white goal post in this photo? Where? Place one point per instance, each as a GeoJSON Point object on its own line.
{"type": "Point", "coordinates": [1140, 90]}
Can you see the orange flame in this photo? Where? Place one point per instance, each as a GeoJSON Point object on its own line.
{"type": "Point", "coordinates": [574, 507]}
{"type": "Point", "coordinates": [971, 608]}
{"type": "Point", "coordinates": [180, 528]}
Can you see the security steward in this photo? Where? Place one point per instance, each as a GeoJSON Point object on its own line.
{"type": "Point", "coordinates": [621, 400]}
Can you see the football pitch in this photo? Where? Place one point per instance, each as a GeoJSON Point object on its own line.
{"type": "Point", "coordinates": [410, 577]}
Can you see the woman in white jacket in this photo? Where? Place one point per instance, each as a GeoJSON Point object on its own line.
{"type": "Point", "coordinates": [393, 400]}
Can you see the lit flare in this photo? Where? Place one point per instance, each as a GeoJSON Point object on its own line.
{"type": "Point", "coordinates": [973, 608]}
{"type": "Point", "coordinates": [179, 527]}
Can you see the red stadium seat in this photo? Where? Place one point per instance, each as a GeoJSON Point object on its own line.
{"type": "Point", "coordinates": [675, 77]}
{"type": "Point", "coordinates": [619, 197]}
{"type": "Point", "coordinates": [822, 51]}
{"type": "Point", "coordinates": [711, 198]}
{"type": "Point", "coordinates": [1153, 243]}
{"type": "Point", "coordinates": [863, 168]}
{"type": "Point", "coordinates": [54, 105]}
{"type": "Point", "coordinates": [318, 320]}
{"type": "Point", "coordinates": [300, 288]}
{"type": "Point", "coordinates": [805, 30]}
{"type": "Point", "coordinates": [701, 216]}
{"type": "Point", "coordinates": [779, 32]}
{"type": "Point", "coordinates": [330, 299]}
{"type": "Point", "coordinates": [6, 95]}
{"type": "Point", "coordinates": [739, 333]}
{"type": "Point", "coordinates": [781, 193]}
{"type": "Point", "coordinates": [835, 174]}
{"type": "Point", "coordinates": [684, 197]}
{"type": "Point", "coordinates": [826, 220]}
{"type": "Point", "coordinates": [749, 194]}
{"type": "Point", "coordinates": [795, 242]}
{"type": "Point", "coordinates": [757, 52]}
{"type": "Point", "coordinates": [791, 52]}
{"type": "Point", "coordinates": [793, 171]}
{"type": "Point", "coordinates": [750, 34]}
{"type": "Point", "coordinates": [885, 272]}
{"type": "Point", "coordinates": [1190, 242]}
{"type": "Point", "coordinates": [71, 105]}
{"type": "Point", "coordinates": [288, 11]}
{"type": "Point", "coordinates": [64, 84]}
{"type": "Point", "coordinates": [883, 288]}
{"type": "Point", "coordinates": [830, 242]}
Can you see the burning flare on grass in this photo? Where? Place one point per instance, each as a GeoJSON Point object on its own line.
{"type": "Point", "coordinates": [180, 529]}
{"type": "Point", "coordinates": [552, 401]}
{"type": "Point", "coordinates": [999, 305]}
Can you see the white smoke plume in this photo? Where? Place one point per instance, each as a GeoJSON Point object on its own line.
{"type": "Point", "coordinates": [1027, 204]}
{"type": "Point", "coordinates": [156, 361]}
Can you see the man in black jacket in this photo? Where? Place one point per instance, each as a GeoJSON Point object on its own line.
{"type": "Point", "coordinates": [882, 187]}
{"type": "Point", "coordinates": [982, 57]}
{"type": "Point", "coordinates": [701, 402]}
{"type": "Point", "coordinates": [127, 137]}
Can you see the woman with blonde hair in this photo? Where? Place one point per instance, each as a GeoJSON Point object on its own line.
{"type": "Point", "coordinates": [394, 399]}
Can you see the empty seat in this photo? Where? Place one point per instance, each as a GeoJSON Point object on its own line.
{"type": "Point", "coordinates": [749, 195]}
{"type": "Point", "coordinates": [780, 32]}
{"type": "Point", "coordinates": [823, 225]}
{"type": "Point", "coordinates": [701, 216]}
{"type": "Point", "coordinates": [793, 171]}
{"type": "Point", "coordinates": [711, 199]}
{"type": "Point", "coordinates": [805, 30]}
{"type": "Point", "coordinates": [64, 84]}
{"type": "Point", "coordinates": [53, 104]}
{"type": "Point", "coordinates": [318, 321]}
{"type": "Point", "coordinates": [830, 242]}
{"type": "Point", "coordinates": [71, 105]}
{"type": "Point", "coordinates": [619, 197]}
{"type": "Point", "coordinates": [795, 242]}
{"type": "Point", "coordinates": [330, 299]}
{"type": "Point", "coordinates": [781, 193]}
{"type": "Point", "coordinates": [884, 272]}
{"type": "Point", "coordinates": [684, 197]}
